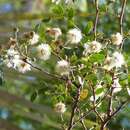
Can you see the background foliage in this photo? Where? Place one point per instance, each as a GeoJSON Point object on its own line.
{"type": "Point", "coordinates": [27, 100]}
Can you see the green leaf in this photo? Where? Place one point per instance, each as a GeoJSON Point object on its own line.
{"type": "Point", "coordinates": [33, 96]}
{"type": "Point", "coordinates": [46, 20]}
{"type": "Point", "coordinates": [71, 23]}
{"type": "Point", "coordinates": [99, 91]}
{"type": "Point", "coordinates": [70, 13]}
{"type": "Point", "coordinates": [97, 57]}
{"type": "Point", "coordinates": [58, 10]}
{"type": "Point", "coordinates": [88, 27]}
{"type": "Point", "coordinates": [103, 8]}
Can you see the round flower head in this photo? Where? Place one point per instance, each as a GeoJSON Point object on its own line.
{"type": "Point", "coordinates": [12, 62]}
{"type": "Point", "coordinates": [44, 51]}
{"type": "Point", "coordinates": [68, 1]}
{"type": "Point", "coordinates": [34, 39]}
{"type": "Point", "coordinates": [117, 39]}
{"type": "Point", "coordinates": [12, 58]}
{"type": "Point", "coordinates": [63, 67]}
{"type": "Point", "coordinates": [23, 66]}
{"type": "Point", "coordinates": [60, 108]}
{"type": "Point", "coordinates": [74, 36]}
{"type": "Point", "coordinates": [109, 63]}
{"type": "Point", "coordinates": [12, 52]}
{"type": "Point", "coordinates": [56, 1]}
{"type": "Point", "coordinates": [93, 47]}
{"type": "Point", "coordinates": [54, 32]}
{"type": "Point", "coordinates": [117, 60]}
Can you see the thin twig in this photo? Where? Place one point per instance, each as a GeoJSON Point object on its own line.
{"type": "Point", "coordinates": [109, 111]}
{"type": "Point", "coordinates": [94, 104]}
{"type": "Point", "coordinates": [82, 121]}
{"type": "Point", "coordinates": [45, 72]}
{"type": "Point", "coordinates": [120, 107]}
{"type": "Point", "coordinates": [103, 125]}
{"type": "Point", "coordinates": [83, 124]}
{"type": "Point", "coordinates": [96, 19]}
{"type": "Point", "coordinates": [122, 16]}
{"type": "Point", "coordinates": [121, 20]}
{"type": "Point", "coordinates": [123, 104]}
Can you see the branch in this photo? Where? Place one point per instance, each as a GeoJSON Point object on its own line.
{"type": "Point", "coordinates": [92, 109]}
{"type": "Point", "coordinates": [120, 107]}
{"type": "Point", "coordinates": [71, 123]}
{"type": "Point", "coordinates": [83, 124]}
{"type": "Point", "coordinates": [124, 103]}
{"type": "Point", "coordinates": [96, 19]}
{"type": "Point", "coordinates": [109, 111]}
{"type": "Point", "coordinates": [103, 124]}
{"type": "Point", "coordinates": [122, 16]}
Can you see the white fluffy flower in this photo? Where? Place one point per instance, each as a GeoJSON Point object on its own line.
{"type": "Point", "coordinates": [58, 1]}
{"type": "Point", "coordinates": [63, 67]}
{"type": "Point", "coordinates": [34, 39]}
{"type": "Point", "coordinates": [44, 51]}
{"type": "Point", "coordinates": [23, 66]}
{"type": "Point", "coordinates": [74, 36]}
{"type": "Point", "coordinates": [60, 107]}
{"type": "Point", "coordinates": [12, 62]}
{"type": "Point", "coordinates": [12, 52]}
{"type": "Point", "coordinates": [93, 47]}
{"type": "Point", "coordinates": [117, 39]}
{"type": "Point", "coordinates": [12, 58]}
{"type": "Point", "coordinates": [117, 60]}
{"type": "Point", "coordinates": [116, 86]}
{"type": "Point", "coordinates": [68, 1]}
{"type": "Point", "coordinates": [54, 32]}
{"type": "Point", "coordinates": [109, 63]}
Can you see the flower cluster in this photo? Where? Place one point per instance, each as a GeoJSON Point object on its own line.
{"type": "Point", "coordinates": [20, 60]}
{"type": "Point", "coordinates": [14, 60]}
{"type": "Point", "coordinates": [17, 59]}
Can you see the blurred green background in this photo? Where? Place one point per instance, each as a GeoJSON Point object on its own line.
{"type": "Point", "coordinates": [25, 102]}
